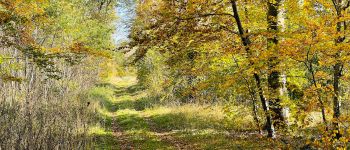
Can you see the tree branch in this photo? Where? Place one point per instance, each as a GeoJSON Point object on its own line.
{"type": "Point", "coordinates": [205, 15]}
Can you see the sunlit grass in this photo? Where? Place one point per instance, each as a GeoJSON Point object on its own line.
{"type": "Point", "coordinates": [98, 130]}
{"type": "Point", "coordinates": [103, 139]}
{"type": "Point", "coordinates": [145, 139]}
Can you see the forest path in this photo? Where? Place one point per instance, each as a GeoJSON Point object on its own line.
{"type": "Point", "coordinates": [135, 120]}
{"type": "Point", "coordinates": [131, 124]}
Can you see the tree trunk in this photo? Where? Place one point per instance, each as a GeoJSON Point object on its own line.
{"type": "Point", "coordinates": [314, 82]}
{"type": "Point", "coordinates": [338, 67]}
{"type": "Point", "coordinates": [255, 113]}
{"type": "Point", "coordinates": [190, 98]}
{"type": "Point", "coordinates": [274, 79]}
{"type": "Point", "coordinates": [246, 43]}
{"type": "Point", "coordinates": [265, 104]}
{"type": "Point", "coordinates": [252, 94]}
{"type": "Point", "coordinates": [336, 99]}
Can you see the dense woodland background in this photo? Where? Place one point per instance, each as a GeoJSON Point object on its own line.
{"type": "Point", "coordinates": [193, 74]}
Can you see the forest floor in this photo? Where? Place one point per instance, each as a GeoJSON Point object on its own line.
{"type": "Point", "coordinates": [133, 120]}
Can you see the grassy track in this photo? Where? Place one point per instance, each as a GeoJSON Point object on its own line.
{"type": "Point", "coordinates": [134, 120]}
